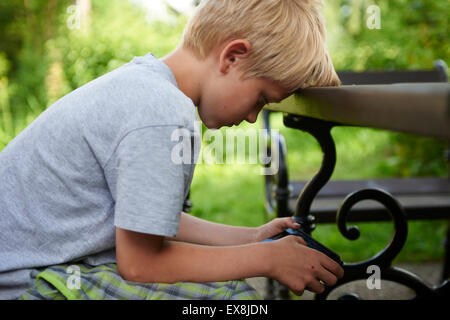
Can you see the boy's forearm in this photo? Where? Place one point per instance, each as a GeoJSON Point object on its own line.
{"type": "Point", "coordinates": [187, 262]}
{"type": "Point", "coordinates": [196, 230]}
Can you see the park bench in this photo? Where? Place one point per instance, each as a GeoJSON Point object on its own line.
{"type": "Point", "coordinates": [414, 102]}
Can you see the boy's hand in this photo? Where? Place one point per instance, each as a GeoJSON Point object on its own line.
{"type": "Point", "coordinates": [274, 227]}
{"type": "Point", "coordinates": [299, 267]}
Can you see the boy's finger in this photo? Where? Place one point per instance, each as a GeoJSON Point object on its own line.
{"type": "Point", "coordinates": [301, 240]}
{"type": "Point", "coordinates": [316, 287]}
{"type": "Point", "coordinates": [293, 223]}
{"type": "Point", "coordinates": [332, 266]}
{"type": "Point", "coordinates": [327, 277]}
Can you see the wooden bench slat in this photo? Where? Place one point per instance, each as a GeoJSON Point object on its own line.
{"type": "Point", "coordinates": [396, 186]}
{"type": "Point", "coordinates": [386, 77]}
{"type": "Point", "coordinates": [416, 108]}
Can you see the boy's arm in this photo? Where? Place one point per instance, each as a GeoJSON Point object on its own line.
{"type": "Point", "coordinates": [195, 230]}
{"type": "Point", "coordinates": [149, 258]}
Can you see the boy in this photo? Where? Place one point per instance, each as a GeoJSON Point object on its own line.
{"type": "Point", "coordinates": [92, 181]}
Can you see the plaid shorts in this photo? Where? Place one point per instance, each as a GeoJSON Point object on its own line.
{"type": "Point", "coordinates": [85, 282]}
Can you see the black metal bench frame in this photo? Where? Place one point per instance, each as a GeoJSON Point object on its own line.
{"type": "Point", "coordinates": [418, 198]}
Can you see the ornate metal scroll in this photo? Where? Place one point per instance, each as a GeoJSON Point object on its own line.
{"type": "Point", "coordinates": [321, 130]}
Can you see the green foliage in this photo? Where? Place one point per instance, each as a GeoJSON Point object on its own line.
{"type": "Point", "coordinates": [118, 32]}
{"type": "Point", "coordinates": [43, 56]}
{"type": "Point", "coordinates": [413, 34]}
{"type": "Point", "coordinates": [4, 65]}
{"type": "Point", "coordinates": [408, 155]}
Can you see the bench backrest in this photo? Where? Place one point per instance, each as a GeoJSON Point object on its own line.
{"type": "Point", "coordinates": [438, 74]}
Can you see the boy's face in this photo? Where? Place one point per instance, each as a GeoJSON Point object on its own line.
{"type": "Point", "coordinates": [231, 101]}
{"type": "Point", "coordinates": [227, 99]}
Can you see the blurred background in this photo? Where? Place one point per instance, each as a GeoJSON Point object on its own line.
{"type": "Point", "coordinates": [48, 48]}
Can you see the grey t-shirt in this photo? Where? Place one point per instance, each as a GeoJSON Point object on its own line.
{"type": "Point", "coordinates": [100, 157]}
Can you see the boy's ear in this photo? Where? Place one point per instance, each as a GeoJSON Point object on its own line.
{"type": "Point", "coordinates": [232, 53]}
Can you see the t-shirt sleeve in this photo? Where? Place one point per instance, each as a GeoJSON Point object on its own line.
{"type": "Point", "coordinates": [148, 187]}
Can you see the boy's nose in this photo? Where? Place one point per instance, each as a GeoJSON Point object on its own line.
{"type": "Point", "coordinates": [252, 117]}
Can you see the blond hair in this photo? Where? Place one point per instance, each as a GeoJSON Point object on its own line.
{"type": "Point", "coordinates": [287, 37]}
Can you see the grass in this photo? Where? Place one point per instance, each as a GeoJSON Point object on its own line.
{"type": "Point", "coordinates": [234, 194]}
